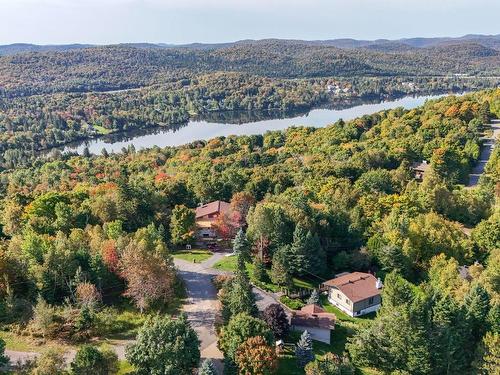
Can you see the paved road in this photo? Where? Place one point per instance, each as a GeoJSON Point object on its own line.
{"type": "Point", "coordinates": [486, 151]}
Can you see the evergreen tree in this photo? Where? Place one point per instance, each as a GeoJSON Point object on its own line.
{"type": "Point", "coordinates": [259, 270]}
{"type": "Point", "coordinates": [306, 255]}
{"type": "Point", "coordinates": [391, 258]}
{"type": "Point", "coordinates": [396, 292]}
{"type": "Point", "coordinates": [207, 368]}
{"type": "Point", "coordinates": [494, 318]}
{"type": "Point", "coordinates": [3, 358]}
{"type": "Point", "coordinates": [241, 245]}
{"type": "Point", "coordinates": [477, 306]}
{"type": "Point", "coordinates": [314, 298]}
{"type": "Point", "coordinates": [304, 349]}
{"type": "Point", "coordinates": [280, 269]}
{"type": "Point", "coordinates": [450, 338]}
{"type": "Point", "coordinates": [86, 152]}
{"type": "Point", "coordinates": [240, 297]}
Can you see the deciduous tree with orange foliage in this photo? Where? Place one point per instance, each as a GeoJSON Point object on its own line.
{"type": "Point", "coordinates": [256, 357]}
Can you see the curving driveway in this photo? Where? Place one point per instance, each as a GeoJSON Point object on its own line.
{"type": "Point", "coordinates": [201, 309]}
{"type": "Point", "coordinates": [486, 151]}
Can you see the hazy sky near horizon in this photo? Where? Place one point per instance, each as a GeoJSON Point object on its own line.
{"type": "Point", "coordinates": [186, 21]}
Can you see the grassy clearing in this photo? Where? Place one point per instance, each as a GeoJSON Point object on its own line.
{"type": "Point", "coordinates": [194, 255]}
{"type": "Point", "coordinates": [101, 130]}
{"type": "Point", "coordinates": [21, 343]}
{"type": "Point", "coordinates": [125, 368]}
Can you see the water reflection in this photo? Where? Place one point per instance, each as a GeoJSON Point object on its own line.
{"type": "Point", "coordinates": [217, 124]}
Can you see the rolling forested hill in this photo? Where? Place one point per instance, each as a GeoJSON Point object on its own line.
{"type": "Point", "coordinates": [125, 66]}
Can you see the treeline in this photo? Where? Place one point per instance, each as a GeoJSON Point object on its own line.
{"type": "Point", "coordinates": [123, 67]}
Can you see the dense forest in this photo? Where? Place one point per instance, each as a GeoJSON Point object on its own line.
{"type": "Point", "coordinates": [80, 231]}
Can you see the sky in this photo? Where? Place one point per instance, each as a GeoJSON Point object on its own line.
{"type": "Point", "coordinates": [187, 21]}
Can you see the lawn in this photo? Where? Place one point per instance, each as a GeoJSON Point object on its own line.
{"type": "Point", "coordinates": [194, 255]}
{"type": "Point", "coordinates": [342, 316]}
{"type": "Point", "coordinates": [229, 264]}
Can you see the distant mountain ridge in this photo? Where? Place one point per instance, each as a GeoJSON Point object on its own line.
{"type": "Point", "coordinates": [383, 45]}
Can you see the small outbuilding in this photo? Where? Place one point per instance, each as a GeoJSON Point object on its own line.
{"type": "Point", "coordinates": [315, 320]}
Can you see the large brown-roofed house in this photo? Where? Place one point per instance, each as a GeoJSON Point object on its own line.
{"type": "Point", "coordinates": [206, 215]}
{"type": "Point", "coordinates": [315, 320]}
{"type": "Point", "coordinates": [355, 293]}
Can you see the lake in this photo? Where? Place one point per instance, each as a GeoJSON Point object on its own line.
{"type": "Point", "coordinates": [225, 124]}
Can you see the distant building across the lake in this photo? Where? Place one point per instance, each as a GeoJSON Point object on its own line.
{"type": "Point", "coordinates": [355, 293]}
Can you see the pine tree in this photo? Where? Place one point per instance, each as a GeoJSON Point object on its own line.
{"type": "Point", "coordinates": [304, 350]}
{"type": "Point", "coordinates": [207, 368]}
{"type": "Point", "coordinates": [313, 298]}
{"type": "Point", "coordinates": [298, 260]}
{"type": "Point", "coordinates": [3, 358]}
{"type": "Point", "coordinates": [449, 337]}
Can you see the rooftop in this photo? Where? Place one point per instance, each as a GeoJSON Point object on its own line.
{"type": "Point", "coordinates": [215, 207]}
{"type": "Point", "coordinates": [313, 316]}
{"type": "Point", "coordinates": [421, 167]}
{"type": "Point", "coordinates": [356, 286]}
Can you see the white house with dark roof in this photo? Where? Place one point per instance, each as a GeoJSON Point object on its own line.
{"type": "Point", "coordinates": [355, 293]}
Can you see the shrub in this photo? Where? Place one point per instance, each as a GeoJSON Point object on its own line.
{"type": "Point", "coordinates": [50, 362]}
{"type": "Point", "coordinates": [89, 361]}
{"type": "Point", "coordinates": [292, 303]}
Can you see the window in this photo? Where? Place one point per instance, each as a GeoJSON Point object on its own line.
{"type": "Point", "coordinates": [347, 300]}
{"type": "Point", "coordinates": [370, 301]}
{"type": "Point", "coordinates": [338, 296]}
{"type": "Point", "coordinates": [206, 235]}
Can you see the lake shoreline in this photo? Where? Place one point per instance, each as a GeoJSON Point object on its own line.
{"type": "Point", "coordinates": [250, 119]}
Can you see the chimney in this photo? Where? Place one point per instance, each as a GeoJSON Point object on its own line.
{"type": "Point", "coordinates": [378, 284]}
